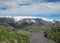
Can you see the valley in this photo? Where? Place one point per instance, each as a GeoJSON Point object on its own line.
{"type": "Point", "coordinates": [29, 30]}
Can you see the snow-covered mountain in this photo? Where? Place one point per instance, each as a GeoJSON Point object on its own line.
{"type": "Point", "coordinates": [31, 17]}
{"type": "Point", "coordinates": [23, 21]}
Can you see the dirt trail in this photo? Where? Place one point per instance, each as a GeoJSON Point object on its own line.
{"type": "Point", "coordinates": [39, 38]}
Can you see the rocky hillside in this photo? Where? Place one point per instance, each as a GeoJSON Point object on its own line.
{"type": "Point", "coordinates": [35, 21]}
{"type": "Point", "coordinates": [8, 22]}
{"type": "Point", "coordinates": [26, 22]}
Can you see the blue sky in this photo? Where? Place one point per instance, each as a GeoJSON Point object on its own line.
{"type": "Point", "coordinates": [38, 8]}
{"type": "Point", "coordinates": [52, 0]}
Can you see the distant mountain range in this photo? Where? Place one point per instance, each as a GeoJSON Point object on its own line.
{"type": "Point", "coordinates": [17, 23]}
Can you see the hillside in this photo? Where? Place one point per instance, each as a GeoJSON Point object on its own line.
{"type": "Point", "coordinates": [12, 31]}
{"type": "Point", "coordinates": [8, 22]}
{"type": "Point", "coordinates": [9, 34]}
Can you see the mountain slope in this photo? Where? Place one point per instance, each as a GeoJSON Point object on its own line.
{"type": "Point", "coordinates": [8, 22]}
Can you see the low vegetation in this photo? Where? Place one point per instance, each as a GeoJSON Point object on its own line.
{"type": "Point", "coordinates": [8, 35]}
{"type": "Point", "coordinates": [32, 28]}
{"type": "Point", "coordinates": [54, 33]}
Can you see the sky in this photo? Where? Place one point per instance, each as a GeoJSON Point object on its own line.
{"type": "Point", "coordinates": [39, 8]}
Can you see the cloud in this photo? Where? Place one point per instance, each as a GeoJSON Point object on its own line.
{"type": "Point", "coordinates": [29, 7]}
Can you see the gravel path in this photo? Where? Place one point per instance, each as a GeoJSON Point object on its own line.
{"type": "Point", "coordinates": [39, 38]}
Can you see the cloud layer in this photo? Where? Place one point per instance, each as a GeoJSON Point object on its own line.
{"type": "Point", "coordinates": [29, 7]}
